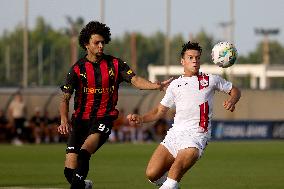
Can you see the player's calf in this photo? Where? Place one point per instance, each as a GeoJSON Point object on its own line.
{"type": "Point", "coordinates": [82, 170]}
{"type": "Point", "coordinates": [68, 174]}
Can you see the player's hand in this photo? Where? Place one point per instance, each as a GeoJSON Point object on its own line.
{"type": "Point", "coordinates": [64, 128]}
{"type": "Point", "coordinates": [164, 84]}
{"type": "Point", "coordinates": [229, 105]}
{"type": "Point", "coordinates": [134, 119]}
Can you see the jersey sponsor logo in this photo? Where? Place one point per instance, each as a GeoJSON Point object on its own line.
{"type": "Point", "coordinates": [70, 148]}
{"type": "Point", "coordinates": [93, 90]}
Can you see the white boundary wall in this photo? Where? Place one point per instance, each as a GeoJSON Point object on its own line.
{"type": "Point", "coordinates": [256, 71]}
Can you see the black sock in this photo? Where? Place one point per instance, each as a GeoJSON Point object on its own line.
{"type": "Point", "coordinates": [82, 170]}
{"type": "Point", "coordinates": [69, 174]}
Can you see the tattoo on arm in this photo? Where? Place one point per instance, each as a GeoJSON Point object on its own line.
{"type": "Point", "coordinates": [66, 97]}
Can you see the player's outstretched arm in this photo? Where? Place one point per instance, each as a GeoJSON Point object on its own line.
{"type": "Point", "coordinates": [153, 115]}
{"type": "Point", "coordinates": [235, 95]}
{"type": "Point", "coordinates": [165, 84]}
{"type": "Point", "coordinates": [141, 83]}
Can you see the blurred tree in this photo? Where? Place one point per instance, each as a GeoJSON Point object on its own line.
{"type": "Point", "coordinates": [206, 42]}
{"type": "Point", "coordinates": [276, 53]}
{"type": "Point", "coordinates": [149, 50]}
{"type": "Point", "coordinates": [14, 41]}
{"type": "Point", "coordinates": [176, 46]}
{"type": "Point", "coordinates": [56, 52]}
{"type": "Point", "coordinates": [73, 31]}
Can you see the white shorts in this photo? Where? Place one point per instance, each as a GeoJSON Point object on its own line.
{"type": "Point", "coordinates": [178, 140]}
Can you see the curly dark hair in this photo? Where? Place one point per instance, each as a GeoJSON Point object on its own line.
{"type": "Point", "coordinates": [94, 27]}
{"type": "Point", "coordinates": [190, 46]}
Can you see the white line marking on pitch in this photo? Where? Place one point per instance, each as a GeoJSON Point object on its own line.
{"type": "Point", "coordinates": [25, 188]}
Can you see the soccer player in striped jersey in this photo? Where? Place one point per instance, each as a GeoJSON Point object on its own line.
{"type": "Point", "coordinates": [95, 79]}
{"type": "Point", "coordinates": [192, 96]}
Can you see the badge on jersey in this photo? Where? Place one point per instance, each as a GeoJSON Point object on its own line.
{"type": "Point", "coordinates": [110, 72]}
{"type": "Point", "coordinates": [84, 75]}
{"type": "Point", "coordinates": [203, 81]}
{"type": "Point", "coordinates": [129, 72]}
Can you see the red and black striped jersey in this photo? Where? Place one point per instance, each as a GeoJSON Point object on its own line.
{"type": "Point", "coordinates": [96, 86]}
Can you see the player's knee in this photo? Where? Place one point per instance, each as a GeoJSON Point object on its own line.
{"type": "Point", "coordinates": [71, 160]}
{"type": "Point", "coordinates": [151, 174]}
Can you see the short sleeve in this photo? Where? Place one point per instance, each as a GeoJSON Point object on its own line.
{"type": "Point", "coordinates": [125, 72]}
{"type": "Point", "coordinates": [71, 81]}
{"type": "Point", "coordinates": [169, 98]}
{"type": "Point", "coordinates": [222, 84]}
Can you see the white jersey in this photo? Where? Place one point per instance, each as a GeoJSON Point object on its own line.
{"type": "Point", "coordinates": [193, 100]}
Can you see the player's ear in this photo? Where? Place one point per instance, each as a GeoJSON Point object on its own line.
{"type": "Point", "coordinates": [86, 45]}
{"type": "Point", "coordinates": [182, 61]}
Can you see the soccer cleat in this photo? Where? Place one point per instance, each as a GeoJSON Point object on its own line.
{"type": "Point", "coordinates": [88, 184]}
{"type": "Point", "coordinates": [164, 187]}
{"type": "Point", "coordinates": [167, 187]}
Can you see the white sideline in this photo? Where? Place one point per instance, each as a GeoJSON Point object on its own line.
{"type": "Point", "coordinates": [18, 187]}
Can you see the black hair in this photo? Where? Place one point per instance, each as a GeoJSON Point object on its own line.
{"type": "Point", "coordinates": [190, 46]}
{"type": "Point", "coordinates": [94, 27]}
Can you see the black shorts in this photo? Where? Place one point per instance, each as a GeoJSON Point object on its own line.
{"type": "Point", "coordinates": [81, 129]}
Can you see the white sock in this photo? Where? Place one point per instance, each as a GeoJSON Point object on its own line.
{"type": "Point", "coordinates": [170, 184]}
{"type": "Point", "coordinates": [161, 180]}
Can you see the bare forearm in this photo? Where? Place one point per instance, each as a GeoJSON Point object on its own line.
{"type": "Point", "coordinates": [152, 115]}
{"type": "Point", "coordinates": [142, 83]}
{"type": "Point", "coordinates": [235, 95]}
{"type": "Point", "coordinates": [155, 114]}
{"type": "Point", "coordinates": [64, 107]}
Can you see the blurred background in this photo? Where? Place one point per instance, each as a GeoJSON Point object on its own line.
{"type": "Point", "coordinates": [38, 44]}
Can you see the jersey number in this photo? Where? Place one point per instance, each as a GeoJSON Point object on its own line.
{"type": "Point", "coordinates": [204, 119]}
{"type": "Point", "coordinates": [103, 128]}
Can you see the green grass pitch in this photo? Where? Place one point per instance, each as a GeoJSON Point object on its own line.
{"type": "Point", "coordinates": [230, 164]}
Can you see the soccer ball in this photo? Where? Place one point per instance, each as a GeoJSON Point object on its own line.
{"type": "Point", "coordinates": [224, 54]}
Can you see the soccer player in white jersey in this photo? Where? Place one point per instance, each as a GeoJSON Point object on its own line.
{"type": "Point", "coordinates": [192, 96]}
